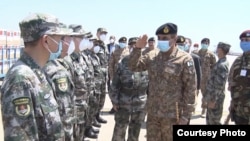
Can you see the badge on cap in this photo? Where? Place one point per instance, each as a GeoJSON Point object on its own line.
{"type": "Point", "coordinates": [166, 30]}
{"type": "Point", "coordinates": [62, 84]}
{"type": "Point", "coordinates": [182, 40]}
{"type": "Point", "coordinates": [22, 106]}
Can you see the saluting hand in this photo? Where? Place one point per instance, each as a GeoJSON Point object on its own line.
{"type": "Point", "coordinates": [142, 41]}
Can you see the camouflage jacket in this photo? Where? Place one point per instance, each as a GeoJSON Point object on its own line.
{"type": "Point", "coordinates": [217, 80]}
{"type": "Point", "coordinates": [103, 54]}
{"type": "Point", "coordinates": [208, 60]}
{"type": "Point", "coordinates": [118, 54]}
{"type": "Point", "coordinates": [172, 81]}
{"type": "Point", "coordinates": [81, 88]}
{"type": "Point", "coordinates": [86, 55]}
{"type": "Point", "coordinates": [60, 79]}
{"type": "Point", "coordinates": [147, 50]}
{"type": "Point", "coordinates": [29, 108]}
{"type": "Point", "coordinates": [129, 89]}
{"type": "Point", "coordinates": [98, 73]}
{"type": "Point", "coordinates": [239, 80]}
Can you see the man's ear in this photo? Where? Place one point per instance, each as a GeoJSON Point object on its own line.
{"type": "Point", "coordinates": [44, 40]}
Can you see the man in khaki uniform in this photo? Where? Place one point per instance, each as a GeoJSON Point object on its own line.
{"type": "Point", "coordinates": [172, 83]}
{"type": "Point", "coordinates": [208, 60]}
{"type": "Point", "coordinates": [151, 45]}
{"type": "Point", "coordinates": [238, 83]}
{"type": "Point", "coordinates": [117, 55]}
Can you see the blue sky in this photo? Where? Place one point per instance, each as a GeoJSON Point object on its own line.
{"type": "Point", "coordinates": [219, 20]}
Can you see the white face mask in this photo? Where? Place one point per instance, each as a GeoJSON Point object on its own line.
{"type": "Point", "coordinates": [112, 40]}
{"type": "Point", "coordinates": [103, 37]}
{"type": "Point", "coordinates": [91, 44]}
{"type": "Point", "coordinates": [71, 48]}
{"type": "Point", "coordinates": [84, 44]}
{"type": "Point", "coordinates": [96, 49]}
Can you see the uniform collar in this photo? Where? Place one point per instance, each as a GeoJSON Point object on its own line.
{"type": "Point", "coordinates": [26, 58]}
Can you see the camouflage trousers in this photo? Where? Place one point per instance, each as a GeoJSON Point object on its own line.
{"type": "Point", "coordinates": [159, 128]}
{"type": "Point", "coordinates": [79, 127]}
{"type": "Point", "coordinates": [213, 116]}
{"type": "Point", "coordinates": [203, 90]}
{"type": "Point", "coordinates": [93, 109]}
{"type": "Point", "coordinates": [102, 96]}
{"type": "Point", "coordinates": [123, 119]}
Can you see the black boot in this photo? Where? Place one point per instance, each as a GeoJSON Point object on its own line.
{"type": "Point", "coordinates": [96, 123]}
{"type": "Point", "coordinates": [90, 134]}
{"type": "Point", "coordinates": [95, 130]}
{"type": "Point", "coordinates": [100, 119]}
{"type": "Point", "coordinates": [112, 111]}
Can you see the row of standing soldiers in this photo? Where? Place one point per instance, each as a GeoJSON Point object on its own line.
{"type": "Point", "coordinates": [58, 97]}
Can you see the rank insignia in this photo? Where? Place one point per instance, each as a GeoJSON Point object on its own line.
{"type": "Point", "coordinates": [22, 106]}
{"type": "Point", "coordinates": [166, 30]}
{"type": "Point", "coordinates": [62, 84]}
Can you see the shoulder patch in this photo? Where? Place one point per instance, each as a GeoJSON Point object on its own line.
{"type": "Point", "coordinates": [22, 106]}
{"type": "Point", "coordinates": [190, 63]}
{"type": "Point", "coordinates": [62, 84]}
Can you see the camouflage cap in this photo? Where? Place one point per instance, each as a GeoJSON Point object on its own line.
{"type": "Point", "coordinates": [102, 30]}
{"type": "Point", "coordinates": [79, 31]}
{"type": "Point", "coordinates": [38, 24]}
{"type": "Point", "coordinates": [224, 46]}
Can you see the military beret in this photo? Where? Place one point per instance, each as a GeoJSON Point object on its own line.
{"type": "Point", "coordinates": [167, 28]}
{"type": "Point", "coordinates": [123, 39]}
{"type": "Point", "coordinates": [180, 39]}
{"type": "Point", "coordinates": [245, 33]}
{"type": "Point", "coordinates": [79, 31]}
{"type": "Point", "coordinates": [36, 25]}
{"type": "Point", "coordinates": [132, 40]}
{"type": "Point", "coordinates": [151, 39]}
{"type": "Point", "coordinates": [224, 46]}
{"type": "Point", "coordinates": [102, 30]}
{"type": "Point", "coordinates": [205, 40]}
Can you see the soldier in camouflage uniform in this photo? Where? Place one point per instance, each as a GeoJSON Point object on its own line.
{"type": "Point", "coordinates": [30, 110]}
{"type": "Point", "coordinates": [82, 79]}
{"type": "Point", "coordinates": [103, 57]}
{"type": "Point", "coordinates": [95, 85]}
{"type": "Point", "coordinates": [128, 96]}
{"type": "Point", "coordinates": [208, 60]}
{"type": "Point", "coordinates": [119, 52]}
{"type": "Point", "coordinates": [172, 83]}
{"type": "Point", "coordinates": [151, 46]}
{"type": "Point", "coordinates": [215, 91]}
{"type": "Point", "coordinates": [60, 78]}
{"type": "Point", "coordinates": [117, 55]}
{"type": "Point", "coordinates": [239, 80]}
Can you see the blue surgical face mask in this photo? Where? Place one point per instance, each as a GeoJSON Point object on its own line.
{"type": "Point", "coordinates": [186, 47]}
{"type": "Point", "coordinates": [163, 45]}
{"type": "Point", "coordinates": [122, 45]}
{"type": "Point", "coordinates": [181, 47]}
{"type": "Point", "coordinates": [245, 46]}
{"type": "Point", "coordinates": [204, 46]}
{"type": "Point", "coordinates": [55, 55]}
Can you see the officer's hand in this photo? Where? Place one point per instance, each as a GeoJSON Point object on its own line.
{"type": "Point", "coordinates": [142, 41]}
{"type": "Point", "coordinates": [115, 107]}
